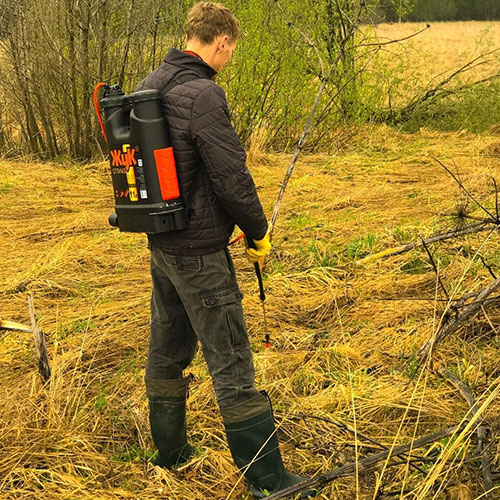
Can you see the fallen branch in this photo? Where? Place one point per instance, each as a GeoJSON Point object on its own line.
{"type": "Point", "coordinates": [41, 349]}
{"type": "Point", "coordinates": [482, 445]}
{"type": "Point", "coordinates": [5, 324]}
{"type": "Point", "coordinates": [440, 91]}
{"type": "Point", "coordinates": [44, 235]}
{"type": "Point", "coordinates": [356, 433]}
{"type": "Point", "coordinates": [390, 252]}
{"type": "Point", "coordinates": [364, 465]}
{"type": "Point", "coordinates": [455, 321]}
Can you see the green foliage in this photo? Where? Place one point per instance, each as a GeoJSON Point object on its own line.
{"type": "Point", "coordinates": [300, 221]}
{"type": "Point", "coordinates": [134, 454]}
{"type": "Point", "coordinates": [403, 234]}
{"type": "Point", "coordinates": [417, 265]}
{"type": "Point", "coordinates": [475, 109]}
{"type": "Point", "coordinates": [5, 187]}
{"type": "Point", "coordinates": [54, 52]}
{"type": "Point", "coordinates": [78, 326]}
{"type": "Point", "coordinates": [271, 84]}
{"type": "Point", "coordinates": [101, 402]}
{"type": "Point", "coordinates": [320, 255]}
{"type": "Point", "coordinates": [361, 246]}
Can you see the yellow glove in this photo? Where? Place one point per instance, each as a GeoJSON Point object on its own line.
{"type": "Point", "coordinates": [262, 248]}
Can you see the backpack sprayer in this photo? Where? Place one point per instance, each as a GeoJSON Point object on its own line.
{"type": "Point", "coordinates": [145, 185]}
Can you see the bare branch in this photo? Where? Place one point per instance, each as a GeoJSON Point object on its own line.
{"type": "Point", "coordinates": [307, 128]}
{"type": "Point", "coordinates": [486, 225]}
{"type": "Point", "coordinates": [364, 465]}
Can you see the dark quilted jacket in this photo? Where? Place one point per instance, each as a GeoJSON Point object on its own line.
{"type": "Point", "coordinates": [209, 159]}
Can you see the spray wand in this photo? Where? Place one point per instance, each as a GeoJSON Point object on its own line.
{"type": "Point", "coordinates": [262, 295]}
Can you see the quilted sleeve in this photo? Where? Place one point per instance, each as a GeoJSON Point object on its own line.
{"type": "Point", "coordinates": [224, 160]}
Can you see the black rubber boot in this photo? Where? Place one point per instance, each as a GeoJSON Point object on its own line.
{"type": "Point", "coordinates": [167, 417]}
{"type": "Point", "coordinates": [255, 450]}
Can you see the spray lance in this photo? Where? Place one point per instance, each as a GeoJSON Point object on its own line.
{"type": "Point", "coordinates": [262, 293]}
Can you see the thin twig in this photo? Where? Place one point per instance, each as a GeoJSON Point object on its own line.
{"type": "Point", "coordinates": [345, 427]}
{"type": "Point", "coordinates": [307, 128]}
{"type": "Point", "coordinates": [487, 266]}
{"type": "Point", "coordinates": [464, 189]}
{"type": "Point", "coordinates": [435, 268]}
{"type": "Point", "coordinates": [308, 41]}
{"type": "Point", "coordinates": [391, 42]}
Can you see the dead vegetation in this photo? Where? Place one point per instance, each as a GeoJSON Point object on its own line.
{"type": "Point", "coordinates": [344, 337]}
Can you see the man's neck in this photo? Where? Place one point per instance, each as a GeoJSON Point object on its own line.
{"type": "Point", "coordinates": [192, 53]}
{"type": "Point", "coordinates": [204, 52]}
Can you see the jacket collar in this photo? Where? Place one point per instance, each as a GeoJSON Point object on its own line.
{"type": "Point", "coordinates": [187, 61]}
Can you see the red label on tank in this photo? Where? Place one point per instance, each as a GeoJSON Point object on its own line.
{"type": "Point", "coordinates": [167, 174]}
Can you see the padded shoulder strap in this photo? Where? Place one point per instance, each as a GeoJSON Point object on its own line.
{"type": "Point", "coordinates": [180, 78]}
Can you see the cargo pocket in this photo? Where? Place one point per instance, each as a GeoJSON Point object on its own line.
{"type": "Point", "coordinates": [225, 314]}
{"type": "Point", "coordinates": [214, 298]}
{"type": "Point", "coordinates": [184, 262]}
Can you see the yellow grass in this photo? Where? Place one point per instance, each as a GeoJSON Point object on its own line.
{"type": "Point", "coordinates": [342, 335]}
{"type": "Point", "coordinates": [427, 59]}
{"type": "Point", "coordinates": [444, 45]}
{"type": "Point", "coordinates": [339, 348]}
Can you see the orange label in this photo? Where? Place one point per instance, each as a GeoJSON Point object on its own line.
{"type": "Point", "coordinates": [125, 158]}
{"type": "Point", "coordinates": [167, 174]}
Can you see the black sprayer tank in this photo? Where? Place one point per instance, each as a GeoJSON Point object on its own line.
{"type": "Point", "coordinates": [146, 190]}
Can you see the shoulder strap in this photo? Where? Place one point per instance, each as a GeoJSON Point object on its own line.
{"type": "Point", "coordinates": [179, 79]}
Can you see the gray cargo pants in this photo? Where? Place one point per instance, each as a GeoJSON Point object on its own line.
{"type": "Point", "coordinates": [197, 298]}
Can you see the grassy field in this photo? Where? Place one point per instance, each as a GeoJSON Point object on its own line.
{"type": "Point", "coordinates": [443, 47]}
{"type": "Point", "coordinates": [443, 64]}
{"type": "Point", "coordinates": [344, 335]}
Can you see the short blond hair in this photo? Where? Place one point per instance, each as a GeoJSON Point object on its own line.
{"type": "Point", "coordinates": [208, 20]}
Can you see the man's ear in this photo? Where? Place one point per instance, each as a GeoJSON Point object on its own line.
{"type": "Point", "coordinates": [222, 42]}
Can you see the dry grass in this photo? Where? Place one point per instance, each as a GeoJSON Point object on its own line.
{"type": "Point", "coordinates": [343, 336]}
{"type": "Point", "coordinates": [340, 343]}
{"type": "Point", "coordinates": [445, 46]}
{"type": "Point", "coordinates": [421, 62]}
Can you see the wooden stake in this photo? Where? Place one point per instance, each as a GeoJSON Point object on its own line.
{"type": "Point", "coordinates": [41, 349]}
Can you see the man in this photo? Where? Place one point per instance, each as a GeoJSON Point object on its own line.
{"type": "Point", "coordinates": [195, 293]}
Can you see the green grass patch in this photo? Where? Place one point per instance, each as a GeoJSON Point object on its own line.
{"type": "Point", "coordinates": [134, 453]}
{"type": "Point", "coordinates": [362, 246]}
{"type": "Point", "coordinates": [417, 265]}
